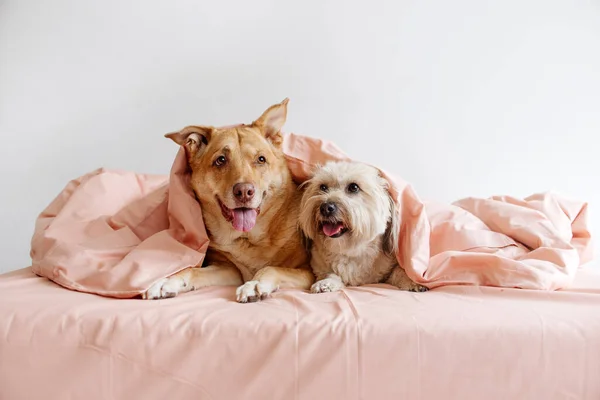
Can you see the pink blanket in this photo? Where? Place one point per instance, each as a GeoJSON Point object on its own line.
{"type": "Point", "coordinates": [115, 233]}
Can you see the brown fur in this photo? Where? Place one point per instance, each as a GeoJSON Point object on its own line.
{"type": "Point", "coordinates": [271, 254]}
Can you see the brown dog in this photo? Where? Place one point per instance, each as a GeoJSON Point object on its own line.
{"type": "Point", "coordinates": [250, 206]}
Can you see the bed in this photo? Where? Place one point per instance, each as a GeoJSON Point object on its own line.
{"type": "Point", "coordinates": [115, 233]}
{"type": "Point", "coordinates": [372, 342]}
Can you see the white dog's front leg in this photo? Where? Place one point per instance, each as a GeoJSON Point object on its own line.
{"type": "Point", "coordinates": [332, 283]}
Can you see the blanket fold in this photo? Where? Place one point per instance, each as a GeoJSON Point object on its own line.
{"type": "Point", "coordinates": [115, 233]}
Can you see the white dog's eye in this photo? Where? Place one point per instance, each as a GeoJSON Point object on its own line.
{"type": "Point", "coordinates": [323, 188]}
{"type": "Point", "coordinates": [353, 188]}
{"type": "Point", "coordinates": [262, 160]}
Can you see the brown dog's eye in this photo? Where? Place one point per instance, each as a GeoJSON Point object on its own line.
{"type": "Point", "coordinates": [220, 161]}
{"type": "Point", "coordinates": [323, 188]}
{"type": "Point", "coordinates": [262, 160]}
{"type": "Point", "coordinates": [353, 188]}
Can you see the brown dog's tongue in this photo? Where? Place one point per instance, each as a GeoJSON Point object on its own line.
{"type": "Point", "coordinates": [332, 229]}
{"type": "Point", "coordinates": [244, 219]}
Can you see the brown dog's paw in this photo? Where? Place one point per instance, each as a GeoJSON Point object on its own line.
{"type": "Point", "coordinates": [253, 291]}
{"type": "Point", "coordinates": [165, 288]}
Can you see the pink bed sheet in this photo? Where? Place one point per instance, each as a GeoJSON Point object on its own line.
{"type": "Point", "coordinates": [115, 233]}
{"type": "Point", "coordinates": [372, 342]}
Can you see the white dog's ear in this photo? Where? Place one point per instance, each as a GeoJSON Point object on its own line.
{"type": "Point", "coordinates": [271, 122]}
{"type": "Point", "coordinates": [391, 235]}
{"type": "Point", "coordinates": [306, 218]}
{"type": "Point", "coordinates": [303, 185]}
{"type": "Point", "coordinates": [311, 171]}
{"type": "Point", "coordinates": [306, 241]}
{"type": "Point", "coordinates": [193, 138]}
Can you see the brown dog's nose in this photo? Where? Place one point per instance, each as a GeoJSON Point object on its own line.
{"type": "Point", "coordinates": [244, 192]}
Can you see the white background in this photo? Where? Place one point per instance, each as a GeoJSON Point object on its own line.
{"type": "Point", "coordinates": [462, 98]}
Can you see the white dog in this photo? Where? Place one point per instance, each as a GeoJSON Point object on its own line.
{"type": "Point", "coordinates": [351, 224]}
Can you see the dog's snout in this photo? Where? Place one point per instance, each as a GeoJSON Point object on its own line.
{"type": "Point", "coordinates": [243, 192]}
{"type": "Point", "coordinates": [328, 209]}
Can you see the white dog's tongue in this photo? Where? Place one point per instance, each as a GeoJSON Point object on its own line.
{"type": "Point", "coordinates": [332, 229]}
{"type": "Point", "coordinates": [244, 219]}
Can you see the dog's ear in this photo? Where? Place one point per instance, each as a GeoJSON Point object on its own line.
{"type": "Point", "coordinates": [193, 138]}
{"type": "Point", "coordinates": [302, 186]}
{"type": "Point", "coordinates": [391, 235]}
{"type": "Point", "coordinates": [305, 218]}
{"type": "Point", "coordinates": [271, 122]}
{"type": "Point", "coordinates": [306, 241]}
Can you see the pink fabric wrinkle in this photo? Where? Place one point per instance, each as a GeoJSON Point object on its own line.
{"type": "Point", "coordinates": [366, 288]}
{"type": "Point", "coordinates": [107, 353]}
{"type": "Point", "coordinates": [359, 339]}
{"type": "Point", "coordinates": [296, 348]}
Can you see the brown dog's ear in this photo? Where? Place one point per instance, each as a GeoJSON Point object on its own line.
{"type": "Point", "coordinates": [192, 138]}
{"type": "Point", "coordinates": [271, 122]}
{"type": "Point", "coordinates": [391, 235]}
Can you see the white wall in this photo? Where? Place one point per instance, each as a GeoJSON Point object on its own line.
{"type": "Point", "coordinates": [468, 97]}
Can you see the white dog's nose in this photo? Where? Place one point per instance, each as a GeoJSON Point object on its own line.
{"type": "Point", "coordinates": [328, 209]}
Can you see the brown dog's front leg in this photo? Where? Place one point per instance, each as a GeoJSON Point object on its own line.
{"type": "Point", "coordinates": [269, 279]}
{"type": "Point", "coordinates": [215, 275]}
{"type": "Point", "coordinates": [286, 278]}
{"type": "Point", "coordinates": [194, 278]}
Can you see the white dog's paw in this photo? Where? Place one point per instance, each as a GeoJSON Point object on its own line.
{"type": "Point", "coordinates": [165, 288]}
{"type": "Point", "coordinates": [413, 287]}
{"type": "Point", "coordinates": [252, 291]}
{"type": "Point", "coordinates": [418, 288]}
{"type": "Point", "coordinates": [327, 285]}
